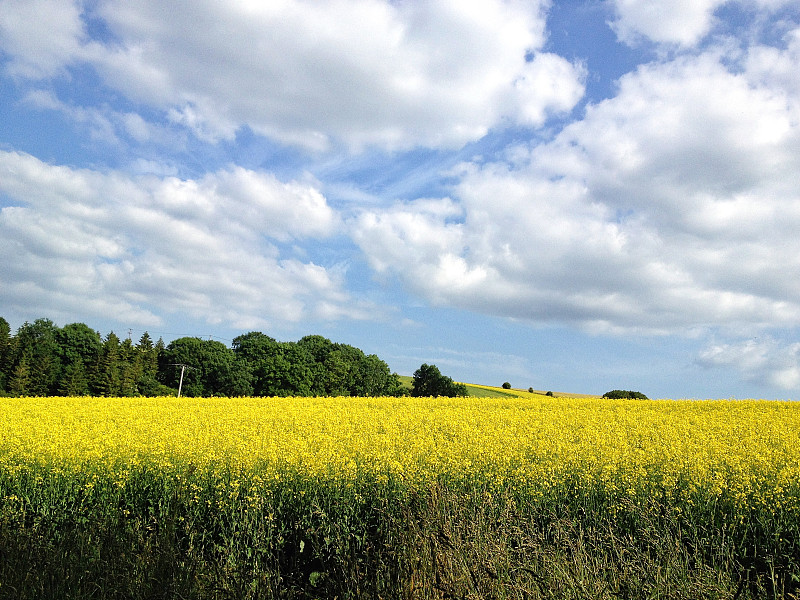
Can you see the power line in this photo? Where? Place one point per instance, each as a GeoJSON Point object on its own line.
{"type": "Point", "coordinates": [183, 369]}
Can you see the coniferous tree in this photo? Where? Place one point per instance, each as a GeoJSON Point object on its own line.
{"type": "Point", "coordinates": [5, 352]}
{"type": "Point", "coordinates": [148, 383]}
{"type": "Point", "coordinates": [37, 342]}
{"type": "Point", "coordinates": [130, 368]}
{"type": "Point", "coordinates": [148, 355]}
{"type": "Point", "coordinates": [20, 382]}
{"type": "Point", "coordinates": [107, 380]}
{"type": "Point", "coordinates": [74, 381]}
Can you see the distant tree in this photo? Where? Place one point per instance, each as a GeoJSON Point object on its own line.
{"type": "Point", "coordinates": [255, 351]}
{"type": "Point", "coordinates": [376, 379]}
{"type": "Point", "coordinates": [317, 346]}
{"type": "Point", "coordinates": [147, 383]}
{"type": "Point", "coordinates": [107, 380]}
{"type": "Point", "coordinates": [506, 386]}
{"type": "Point", "coordinates": [38, 343]}
{"type": "Point", "coordinates": [342, 369]}
{"type": "Point", "coordinates": [148, 355]}
{"type": "Point", "coordinates": [43, 359]}
{"type": "Point", "coordinates": [625, 394]}
{"type": "Point", "coordinates": [130, 368]}
{"type": "Point", "coordinates": [79, 341]}
{"type": "Point", "coordinates": [315, 366]}
{"type": "Point", "coordinates": [429, 381]}
{"type": "Point", "coordinates": [222, 373]}
{"type": "Point", "coordinates": [184, 351]}
{"type": "Point", "coordinates": [74, 381]}
{"type": "Point", "coordinates": [289, 371]}
{"type": "Point", "coordinates": [19, 383]}
{"type": "Point", "coordinates": [213, 368]}
{"type": "Point", "coordinates": [5, 352]}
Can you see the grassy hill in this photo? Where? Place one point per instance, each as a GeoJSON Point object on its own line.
{"type": "Point", "coordinates": [489, 391]}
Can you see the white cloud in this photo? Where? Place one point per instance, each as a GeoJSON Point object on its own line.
{"type": "Point", "coordinates": [763, 361]}
{"type": "Point", "coordinates": [674, 204]}
{"type": "Point", "coordinates": [359, 72]}
{"type": "Point", "coordinates": [104, 125]}
{"type": "Point", "coordinates": [41, 36]}
{"type": "Point", "coordinates": [108, 245]}
{"type": "Point", "coordinates": [679, 22]}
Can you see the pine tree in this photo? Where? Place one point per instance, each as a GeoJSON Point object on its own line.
{"type": "Point", "coordinates": [20, 382]}
{"type": "Point", "coordinates": [107, 382]}
{"type": "Point", "coordinates": [74, 381]}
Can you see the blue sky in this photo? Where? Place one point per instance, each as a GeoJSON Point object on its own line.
{"type": "Point", "coordinates": [573, 196]}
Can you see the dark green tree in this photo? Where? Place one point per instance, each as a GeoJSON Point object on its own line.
{"type": "Point", "coordinates": [625, 394]}
{"type": "Point", "coordinates": [5, 352]}
{"type": "Point", "coordinates": [342, 369]}
{"type": "Point", "coordinates": [222, 373]}
{"type": "Point", "coordinates": [107, 380]}
{"type": "Point", "coordinates": [289, 371]}
{"type": "Point", "coordinates": [74, 381]}
{"type": "Point", "coordinates": [78, 343]}
{"type": "Point", "coordinates": [213, 369]}
{"type": "Point", "coordinates": [376, 379]}
{"type": "Point", "coordinates": [149, 355]}
{"type": "Point", "coordinates": [38, 342]}
{"type": "Point", "coordinates": [429, 381]}
{"type": "Point", "coordinates": [19, 383]}
{"type": "Point", "coordinates": [130, 368]}
{"type": "Point", "coordinates": [183, 351]}
{"type": "Point", "coordinates": [317, 346]}
{"type": "Point", "coordinates": [255, 351]}
{"type": "Point", "coordinates": [148, 383]}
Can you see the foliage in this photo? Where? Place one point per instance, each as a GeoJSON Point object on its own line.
{"type": "Point", "coordinates": [506, 385]}
{"type": "Point", "coordinates": [43, 359]}
{"type": "Point", "coordinates": [623, 394]}
{"type": "Point", "coordinates": [429, 381]}
{"type": "Point", "coordinates": [398, 497]}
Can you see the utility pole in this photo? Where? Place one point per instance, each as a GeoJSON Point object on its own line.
{"type": "Point", "coordinates": [183, 369]}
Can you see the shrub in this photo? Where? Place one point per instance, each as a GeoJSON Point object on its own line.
{"type": "Point", "coordinates": [506, 386]}
{"type": "Point", "coordinates": [625, 394]}
{"type": "Point", "coordinates": [429, 381]}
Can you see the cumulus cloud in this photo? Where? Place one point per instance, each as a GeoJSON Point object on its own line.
{"type": "Point", "coordinates": [358, 72]}
{"type": "Point", "coordinates": [135, 249]}
{"type": "Point", "coordinates": [674, 204]}
{"type": "Point", "coordinates": [40, 36]}
{"type": "Point", "coordinates": [763, 361]}
{"type": "Point", "coordinates": [681, 23]}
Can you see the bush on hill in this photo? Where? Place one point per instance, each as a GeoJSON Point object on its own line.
{"type": "Point", "coordinates": [625, 394]}
{"type": "Point", "coordinates": [429, 381]}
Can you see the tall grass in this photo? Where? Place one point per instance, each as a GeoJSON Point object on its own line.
{"type": "Point", "coordinates": [398, 498]}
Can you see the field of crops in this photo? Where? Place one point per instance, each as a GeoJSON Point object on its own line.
{"type": "Point", "coordinates": [398, 497]}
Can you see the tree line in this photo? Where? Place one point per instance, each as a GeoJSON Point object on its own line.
{"type": "Point", "coordinates": [42, 359]}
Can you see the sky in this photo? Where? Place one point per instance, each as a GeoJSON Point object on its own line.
{"type": "Point", "coordinates": [573, 196]}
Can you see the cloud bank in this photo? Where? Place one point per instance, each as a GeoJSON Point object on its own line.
{"type": "Point", "coordinates": [363, 73]}
{"type": "Point", "coordinates": [673, 204]}
{"type": "Point", "coordinates": [135, 249]}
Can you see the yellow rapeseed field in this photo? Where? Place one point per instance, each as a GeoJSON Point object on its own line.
{"type": "Point", "coordinates": [747, 452]}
